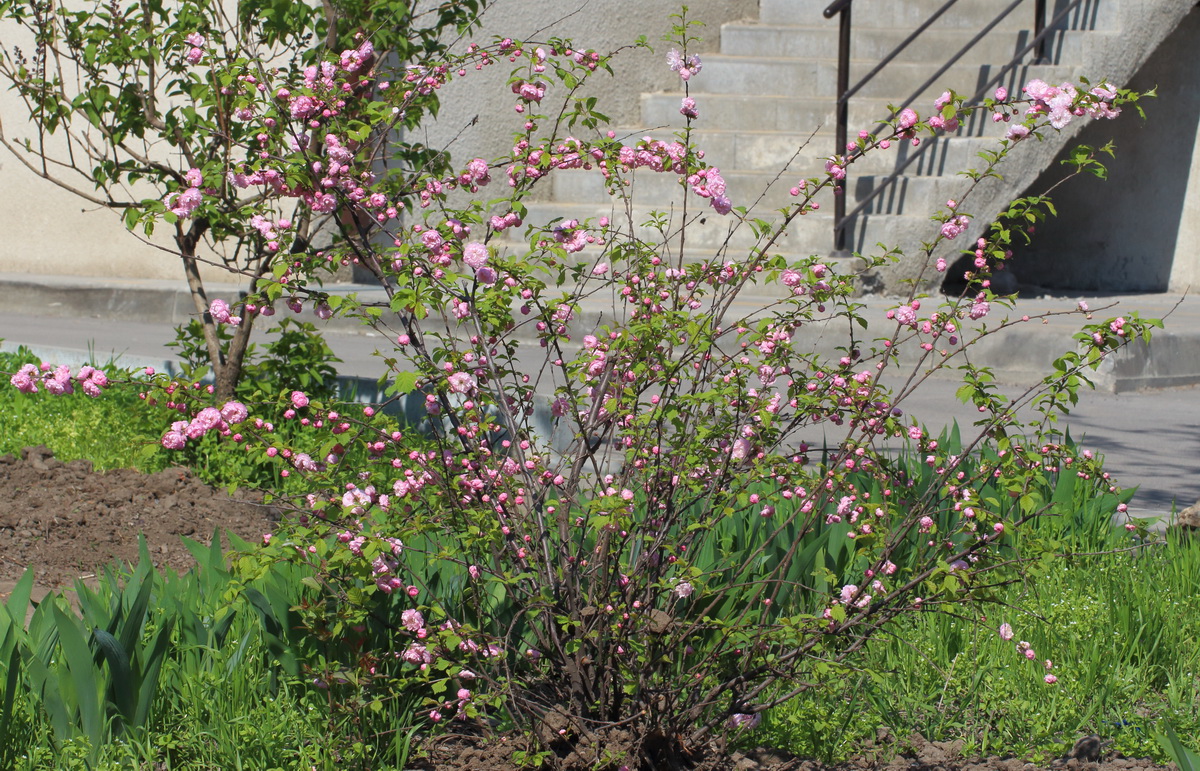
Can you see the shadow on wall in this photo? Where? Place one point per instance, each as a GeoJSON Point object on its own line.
{"type": "Point", "coordinates": [1135, 232]}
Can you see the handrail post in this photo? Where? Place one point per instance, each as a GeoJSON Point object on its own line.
{"type": "Point", "coordinates": [1039, 24]}
{"type": "Point", "coordinates": [841, 133]}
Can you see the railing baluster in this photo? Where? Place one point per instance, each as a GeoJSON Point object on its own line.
{"type": "Point", "coordinates": [1039, 24]}
{"type": "Point", "coordinates": [841, 134]}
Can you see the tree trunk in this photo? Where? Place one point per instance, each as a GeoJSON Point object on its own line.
{"type": "Point", "coordinates": [226, 365]}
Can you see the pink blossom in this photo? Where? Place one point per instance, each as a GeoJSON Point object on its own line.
{"type": "Point", "coordinates": [687, 108]}
{"type": "Point", "coordinates": [461, 383]}
{"type": "Point", "coordinates": [234, 413]}
{"type": "Point", "coordinates": [299, 400]}
{"type": "Point", "coordinates": [907, 119]}
{"type": "Point", "coordinates": [1016, 132]}
{"type": "Point", "coordinates": [952, 228]}
{"type": "Point", "coordinates": [26, 379]}
{"type": "Point", "coordinates": [683, 590]}
{"type": "Point", "coordinates": [412, 620]}
{"type": "Point", "coordinates": [417, 654]}
{"type": "Point", "coordinates": [183, 204]}
{"type": "Point", "coordinates": [686, 67]}
{"type": "Point", "coordinates": [303, 106]}
{"type": "Point", "coordinates": [304, 462]}
{"type": "Point", "coordinates": [906, 316]}
{"type": "Point", "coordinates": [477, 172]}
{"type": "Point", "coordinates": [475, 255]}
{"type": "Point", "coordinates": [1006, 632]}
{"type": "Point", "coordinates": [1050, 679]}
{"type": "Point", "coordinates": [219, 310]}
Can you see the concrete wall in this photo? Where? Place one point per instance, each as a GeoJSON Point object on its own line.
{"type": "Point", "coordinates": [50, 231]}
{"type": "Point", "coordinates": [1140, 229]}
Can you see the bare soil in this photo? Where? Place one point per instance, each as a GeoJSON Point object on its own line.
{"type": "Point", "coordinates": [914, 754]}
{"type": "Point", "coordinates": [68, 522]}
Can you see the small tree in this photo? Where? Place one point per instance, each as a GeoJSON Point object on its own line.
{"type": "Point", "coordinates": [128, 115]}
{"type": "Point", "coordinates": [681, 561]}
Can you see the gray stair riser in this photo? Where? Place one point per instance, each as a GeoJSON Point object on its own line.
{"type": "Point", "coordinates": [910, 195]}
{"type": "Point", "coordinates": [707, 231]}
{"type": "Point", "coordinates": [770, 113]}
{"type": "Point", "coordinates": [769, 151]}
{"type": "Point", "coordinates": [909, 14]}
{"type": "Point", "coordinates": [803, 78]}
{"type": "Point", "coordinates": [872, 45]}
{"type": "Point", "coordinates": [797, 117]}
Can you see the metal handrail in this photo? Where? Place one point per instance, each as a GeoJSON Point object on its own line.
{"type": "Point", "coordinates": [845, 91]}
{"type": "Point", "coordinates": [1038, 42]}
{"type": "Point", "coordinates": [900, 48]}
{"type": "Point", "coordinates": [835, 7]}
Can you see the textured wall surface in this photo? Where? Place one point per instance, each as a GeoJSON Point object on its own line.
{"type": "Point", "coordinates": [1140, 229]}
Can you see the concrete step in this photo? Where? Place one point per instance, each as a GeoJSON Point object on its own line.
{"type": "Point", "coordinates": [770, 150]}
{"type": "Point", "coordinates": [711, 236]}
{"type": "Point", "coordinates": [788, 115]}
{"type": "Point", "coordinates": [771, 191]}
{"type": "Point", "coordinates": [869, 44]}
{"type": "Point", "coordinates": [909, 14]}
{"type": "Point", "coordinates": [806, 78]}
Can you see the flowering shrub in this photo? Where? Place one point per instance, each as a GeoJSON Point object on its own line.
{"type": "Point", "coordinates": [593, 524]}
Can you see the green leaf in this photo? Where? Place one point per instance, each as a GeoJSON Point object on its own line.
{"type": "Point", "coordinates": [84, 686]}
{"type": "Point", "coordinates": [405, 382]}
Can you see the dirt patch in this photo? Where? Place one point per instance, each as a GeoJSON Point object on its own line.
{"type": "Point", "coordinates": [462, 753]}
{"type": "Point", "coordinates": [68, 521]}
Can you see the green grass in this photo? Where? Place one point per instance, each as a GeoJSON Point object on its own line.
{"type": "Point", "coordinates": [112, 431]}
{"type": "Point", "coordinates": [1120, 629]}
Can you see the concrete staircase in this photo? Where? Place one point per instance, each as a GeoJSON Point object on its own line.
{"type": "Point", "coordinates": [770, 92]}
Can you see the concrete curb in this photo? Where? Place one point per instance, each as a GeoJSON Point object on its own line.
{"type": "Point", "coordinates": [1020, 355]}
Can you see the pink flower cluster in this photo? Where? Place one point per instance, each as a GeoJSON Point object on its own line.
{"type": "Point", "coordinates": [195, 53]}
{"type": "Point", "coordinates": [1063, 103]}
{"type": "Point", "coordinates": [207, 419]}
{"type": "Point", "coordinates": [58, 380]}
{"type": "Point", "coordinates": [572, 237]}
{"type": "Point", "coordinates": [940, 122]}
{"type": "Point", "coordinates": [686, 66]}
{"type": "Point", "coordinates": [221, 314]}
{"type": "Point", "coordinates": [183, 204]}
{"type": "Point", "coordinates": [955, 226]}
{"type": "Point", "coordinates": [708, 183]}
